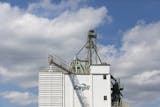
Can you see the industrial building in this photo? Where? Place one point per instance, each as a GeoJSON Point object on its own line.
{"type": "Point", "coordinates": [84, 83]}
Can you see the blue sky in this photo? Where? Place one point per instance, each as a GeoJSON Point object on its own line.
{"type": "Point", "coordinates": [128, 39]}
{"type": "Point", "coordinates": [125, 14]}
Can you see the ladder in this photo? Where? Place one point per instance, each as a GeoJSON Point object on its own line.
{"type": "Point", "coordinates": [75, 82]}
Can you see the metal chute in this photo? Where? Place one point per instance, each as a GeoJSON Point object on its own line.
{"type": "Point", "coordinates": [53, 60]}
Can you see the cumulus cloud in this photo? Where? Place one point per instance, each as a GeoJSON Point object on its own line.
{"type": "Point", "coordinates": [20, 98]}
{"type": "Point", "coordinates": [137, 63]}
{"type": "Point", "coordinates": [48, 8]}
{"type": "Point", "coordinates": [24, 77]}
{"type": "Point", "coordinates": [146, 78]}
{"type": "Point", "coordinates": [27, 39]}
{"type": "Point", "coordinates": [51, 9]}
{"type": "Point", "coordinates": [140, 50]}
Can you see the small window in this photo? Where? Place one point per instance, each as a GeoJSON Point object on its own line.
{"type": "Point", "coordinates": [78, 67]}
{"type": "Point", "coordinates": [105, 97]}
{"type": "Point", "coordinates": [104, 76]}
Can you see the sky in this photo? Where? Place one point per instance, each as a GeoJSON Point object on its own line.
{"type": "Point", "coordinates": [128, 38]}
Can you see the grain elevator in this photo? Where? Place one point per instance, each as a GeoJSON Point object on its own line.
{"type": "Point", "coordinates": [85, 82]}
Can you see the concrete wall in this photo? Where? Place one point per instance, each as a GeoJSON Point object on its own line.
{"type": "Point", "coordinates": [101, 86]}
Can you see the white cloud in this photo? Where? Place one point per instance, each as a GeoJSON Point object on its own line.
{"type": "Point", "coordinates": [48, 8]}
{"type": "Point", "coordinates": [48, 4]}
{"type": "Point", "coordinates": [140, 50]}
{"type": "Point", "coordinates": [108, 53]}
{"type": "Point", "coordinates": [27, 39]}
{"type": "Point", "coordinates": [137, 63]}
{"type": "Point", "coordinates": [20, 98]}
{"type": "Point", "coordinates": [150, 77]}
{"type": "Point", "coordinates": [24, 77]}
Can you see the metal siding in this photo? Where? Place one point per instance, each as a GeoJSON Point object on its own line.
{"type": "Point", "coordinates": [54, 85]}
{"type": "Point", "coordinates": [50, 89]}
{"type": "Point", "coordinates": [68, 92]}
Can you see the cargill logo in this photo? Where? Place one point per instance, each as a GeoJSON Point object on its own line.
{"type": "Point", "coordinates": [82, 87]}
